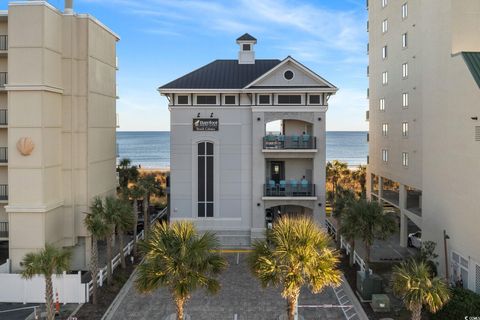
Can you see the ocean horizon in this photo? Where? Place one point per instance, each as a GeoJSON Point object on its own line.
{"type": "Point", "coordinates": [151, 149]}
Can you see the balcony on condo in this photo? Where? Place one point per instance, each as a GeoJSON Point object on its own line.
{"type": "Point", "coordinates": [3, 118]}
{"type": "Point", "coordinates": [3, 155]}
{"type": "Point", "coordinates": [289, 178]}
{"type": "Point", "coordinates": [3, 45]}
{"type": "Point", "coordinates": [3, 230]}
{"type": "Point", "coordinates": [289, 136]}
{"type": "Point", "coordinates": [3, 79]}
{"type": "Point", "coordinates": [3, 192]}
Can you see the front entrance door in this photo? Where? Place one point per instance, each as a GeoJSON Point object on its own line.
{"type": "Point", "coordinates": [277, 171]}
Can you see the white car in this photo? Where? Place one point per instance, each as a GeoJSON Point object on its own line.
{"type": "Point", "coordinates": [415, 239]}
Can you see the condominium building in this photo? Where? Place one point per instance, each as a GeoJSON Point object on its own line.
{"type": "Point", "coordinates": [247, 144]}
{"type": "Point", "coordinates": [424, 135]}
{"type": "Point", "coordinates": [57, 126]}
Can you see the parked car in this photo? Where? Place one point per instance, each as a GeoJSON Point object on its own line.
{"type": "Point", "coordinates": [415, 240]}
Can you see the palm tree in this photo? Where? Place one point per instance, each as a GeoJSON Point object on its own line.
{"type": "Point", "coordinates": [360, 176]}
{"type": "Point", "coordinates": [123, 222]}
{"type": "Point", "coordinates": [99, 229]}
{"type": "Point", "coordinates": [46, 262]}
{"type": "Point", "coordinates": [336, 170]}
{"type": "Point", "coordinates": [127, 173]}
{"type": "Point", "coordinates": [111, 211]}
{"type": "Point", "coordinates": [349, 223]}
{"type": "Point", "coordinates": [372, 223]}
{"type": "Point", "coordinates": [178, 258]}
{"type": "Point", "coordinates": [135, 192]}
{"type": "Point", "coordinates": [151, 186]}
{"type": "Point", "coordinates": [413, 282]}
{"type": "Point", "coordinates": [294, 254]}
{"type": "Point", "coordinates": [344, 198]}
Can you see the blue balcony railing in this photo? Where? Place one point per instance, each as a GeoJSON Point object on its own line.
{"type": "Point", "coordinates": [289, 142]}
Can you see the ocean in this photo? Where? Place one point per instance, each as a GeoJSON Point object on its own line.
{"type": "Point", "coordinates": [152, 149]}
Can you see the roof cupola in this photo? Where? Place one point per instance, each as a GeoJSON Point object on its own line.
{"type": "Point", "coordinates": [246, 55]}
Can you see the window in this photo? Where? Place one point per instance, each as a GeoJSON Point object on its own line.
{"type": "Point", "coordinates": [182, 100]}
{"type": "Point", "coordinates": [314, 99]}
{"type": "Point", "coordinates": [405, 100]}
{"type": "Point", "coordinates": [384, 52]}
{"type": "Point", "coordinates": [385, 129]}
{"type": "Point", "coordinates": [405, 70]}
{"type": "Point", "coordinates": [405, 11]}
{"type": "Point", "coordinates": [289, 99]}
{"type": "Point", "coordinates": [205, 179]}
{"type": "Point", "coordinates": [405, 129]}
{"type": "Point", "coordinates": [385, 77]}
{"type": "Point", "coordinates": [288, 75]}
{"type": "Point", "coordinates": [230, 99]}
{"type": "Point", "coordinates": [404, 40]}
{"type": "Point", "coordinates": [384, 26]}
{"type": "Point", "coordinates": [264, 99]}
{"type": "Point", "coordinates": [382, 104]}
{"type": "Point", "coordinates": [206, 99]}
{"type": "Point", "coordinates": [246, 47]}
{"type": "Point", "coordinates": [384, 3]}
{"type": "Point", "coordinates": [384, 155]}
{"type": "Point", "coordinates": [405, 159]}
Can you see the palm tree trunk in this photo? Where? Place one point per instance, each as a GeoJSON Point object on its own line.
{"type": "Point", "coordinates": [367, 258]}
{"type": "Point", "coordinates": [135, 222]}
{"type": "Point", "coordinates": [351, 257]}
{"type": "Point", "coordinates": [179, 302]}
{"type": "Point", "coordinates": [417, 312]}
{"type": "Point", "coordinates": [122, 245]}
{"type": "Point", "coordinates": [94, 269]}
{"type": "Point", "coordinates": [292, 306]}
{"type": "Point", "coordinates": [146, 221]}
{"type": "Point", "coordinates": [109, 259]}
{"type": "Point", "coordinates": [49, 297]}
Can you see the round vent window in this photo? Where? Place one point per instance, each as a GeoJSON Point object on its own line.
{"type": "Point", "coordinates": [288, 75]}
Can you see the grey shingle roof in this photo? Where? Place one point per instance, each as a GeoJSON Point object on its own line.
{"type": "Point", "coordinates": [246, 37]}
{"type": "Point", "coordinates": [472, 59]}
{"type": "Point", "coordinates": [222, 74]}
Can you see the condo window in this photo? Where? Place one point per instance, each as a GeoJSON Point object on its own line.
{"type": "Point", "coordinates": [384, 25]}
{"type": "Point", "coordinates": [182, 100]}
{"type": "Point", "coordinates": [405, 10]}
{"type": "Point", "coordinates": [405, 70]}
{"type": "Point", "coordinates": [404, 40]}
{"type": "Point", "coordinates": [382, 104]}
{"type": "Point", "coordinates": [384, 52]}
{"type": "Point", "coordinates": [206, 99]}
{"type": "Point", "coordinates": [289, 99]}
{"type": "Point", "coordinates": [385, 129]}
{"type": "Point", "coordinates": [405, 100]}
{"type": "Point", "coordinates": [384, 155]}
{"type": "Point", "coordinates": [384, 3]}
{"type": "Point", "coordinates": [205, 179]}
{"type": "Point", "coordinates": [264, 99]}
{"type": "Point", "coordinates": [385, 77]}
{"type": "Point", "coordinates": [405, 129]}
{"type": "Point", "coordinates": [314, 99]}
{"type": "Point", "coordinates": [405, 159]}
{"type": "Point", "coordinates": [246, 47]}
{"type": "Point", "coordinates": [230, 99]}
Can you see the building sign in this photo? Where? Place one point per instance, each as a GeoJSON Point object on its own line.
{"type": "Point", "coordinates": [208, 124]}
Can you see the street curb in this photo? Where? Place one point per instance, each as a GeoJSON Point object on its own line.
{"type": "Point", "coordinates": [108, 315]}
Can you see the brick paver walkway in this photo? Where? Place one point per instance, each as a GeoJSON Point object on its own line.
{"type": "Point", "coordinates": [241, 294]}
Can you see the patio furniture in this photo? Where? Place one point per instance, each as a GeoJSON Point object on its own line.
{"type": "Point", "coordinates": [293, 186]}
{"type": "Point", "coordinates": [282, 186]}
{"type": "Point", "coordinates": [305, 139]}
{"type": "Point", "coordinates": [281, 141]}
{"type": "Point", "coordinates": [304, 187]}
{"type": "Point", "coordinates": [295, 140]}
{"type": "Point", "coordinates": [271, 187]}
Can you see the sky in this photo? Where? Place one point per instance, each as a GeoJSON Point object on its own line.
{"type": "Point", "coordinates": [162, 40]}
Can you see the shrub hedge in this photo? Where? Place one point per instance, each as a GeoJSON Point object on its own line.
{"type": "Point", "coordinates": [463, 303]}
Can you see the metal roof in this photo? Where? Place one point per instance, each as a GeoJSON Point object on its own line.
{"type": "Point", "coordinates": [222, 74]}
{"type": "Point", "coordinates": [472, 59]}
{"type": "Point", "coordinates": [246, 37]}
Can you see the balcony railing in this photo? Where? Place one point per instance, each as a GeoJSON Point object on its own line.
{"type": "Point", "coordinates": [3, 229]}
{"type": "Point", "coordinates": [282, 142]}
{"type": "Point", "coordinates": [3, 117]}
{"type": "Point", "coordinates": [3, 79]}
{"type": "Point", "coordinates": [3, 192]}
{"type": "Point", "coordinates": [289, 190]}
{"type": "Point", "coordinates": [3, 154]}
{"type": "Point", "coordinates": [3, 43]}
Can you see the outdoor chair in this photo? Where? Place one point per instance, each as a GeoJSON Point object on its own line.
{"type": "Point", "coordinates": [281, 141]}
{"type": "Point", "coordinates": [293, 186]}
{"type": "Point", "coordinates": [305, 139]}
{"type": "Point", "coordinates": [295, 140]}
{"type": "Point", "coordinates": [304, 187]}
{"type": "Point", "coordinates": [282, 186]}
{"type": "Point", "coordinates": [271, 187]}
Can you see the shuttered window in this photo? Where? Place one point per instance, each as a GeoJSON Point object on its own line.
{"type": "Point", "coordinates": [205, 179]}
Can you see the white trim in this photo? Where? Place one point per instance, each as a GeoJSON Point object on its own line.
{"type": "Point", "coordinates": [309, 89]}
{"type": "Point", "coordinates": [289, 150]}
{"type": "Point", "coordinates": [33, 88]}
{"type": "Point", "coordinates": [289, 108]}
{"type": "Point", "coordinates": [290, 198]}
{"type": "Point", "coordinates": [93, 19]}
{"type": "Point", "coordinates": [37, 209]}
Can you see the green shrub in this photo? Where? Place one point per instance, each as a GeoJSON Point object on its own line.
{"type": "Point", "coordinates": [463, 303]}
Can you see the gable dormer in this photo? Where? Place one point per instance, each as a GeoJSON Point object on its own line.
{"type": "Point", "coordinates": [246, 55]}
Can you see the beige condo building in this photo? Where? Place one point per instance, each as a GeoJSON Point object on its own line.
{"type": "Point", "coordinates": [57, 126]}
{"type": "Point", "coordinates": [424, 135]}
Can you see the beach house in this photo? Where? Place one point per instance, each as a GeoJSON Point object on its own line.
{"type": "Point", "coordinates": [247, 144]}
{"type": "Point", "coordinates": [57, 127]}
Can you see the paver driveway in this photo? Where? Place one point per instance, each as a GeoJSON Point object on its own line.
{"type": "Point", "coordinates": [241, 294]}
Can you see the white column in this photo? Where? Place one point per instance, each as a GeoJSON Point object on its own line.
{"type": "Point", "coordinates": [403, 218]}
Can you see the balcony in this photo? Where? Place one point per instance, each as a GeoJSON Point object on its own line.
{"type": "Point", "coordinates": [292, 189]}
{"type": "Point", "coordinates": [3, 155]}
{"type": "Point", "coordinates": [3, 79]}
{"type": "Point", "coordinates": [3, 117]}
{"type": "Point", "coordinates": [3, 45]}
{"type": "Point", "coordinates": [282, 142]}
{"type": "Point", "coordinates": [3, 192]}
{"type": "Point", "coordinates": [4, 230]}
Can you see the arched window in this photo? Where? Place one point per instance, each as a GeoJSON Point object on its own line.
{"type": "Point", "coordinates": [205, 179]}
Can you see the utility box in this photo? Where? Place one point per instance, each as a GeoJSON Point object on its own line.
{"type": "Point", "coordinates": [368, 285]}
{"type": "Point", "coordinates": [380, 303]}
